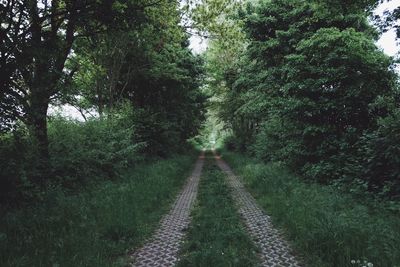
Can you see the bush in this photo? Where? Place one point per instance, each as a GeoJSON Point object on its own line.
{"type": "Point", "coordinates": [79, 152]}
{"type": "Point", "coordinates": [279, 141]}
{"type": "Point", "coordinates": [94, 149]}
{"type": "Point", "coordinates": [379, 156]}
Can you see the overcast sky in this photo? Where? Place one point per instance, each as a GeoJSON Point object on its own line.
{"type": "Point", "coordinates": [387, 41]}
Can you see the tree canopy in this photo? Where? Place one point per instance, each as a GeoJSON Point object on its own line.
{"type": "Point", "coordinates": [310, 88]}
{"type": "Point", "coordinates": [98, 56]}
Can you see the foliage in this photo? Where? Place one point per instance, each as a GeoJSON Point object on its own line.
{"type": "Point", "coordinates": [389, 20]}
{"type": "Point", "coordinates": [150, 66]}
{"type": "Point", "coordinates": [309, 91]}
{"type": "Point", "coordinates": [327, 226]}
{"type": "Point", "coordinates": [36, 41]}
{"type": "Point", "coordinates": [80, 153]}
{"type": "Point", "coordinates": [96, 56]}
{"type": "Point", "coordinates": [378, 156]}
{"type": "Point", "coordinates": [217, 236]}
{"type": "Point", "coordinates": [98, 148]}
{"type": "Point", "coordinates": [171, 104]}
{"type": "Point", "coordinates": [96, 226]}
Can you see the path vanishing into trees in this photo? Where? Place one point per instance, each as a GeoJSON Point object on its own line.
{"type": "Point", "coordinates": [163, 248]}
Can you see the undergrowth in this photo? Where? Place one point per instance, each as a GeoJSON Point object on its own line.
{"type": "Point", "coordinates": [328, 227]}
{"type": "Point", "coordinates": [96, 227]}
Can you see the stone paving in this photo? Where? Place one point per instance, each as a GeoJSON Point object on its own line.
{"type": "Point", "coordinates": [274, 250]}
{"type": "Point", "coordinates": [163, 248]}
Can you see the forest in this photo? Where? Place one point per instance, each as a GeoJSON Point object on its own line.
{"type": "Point", "coordinates": [105, 106]}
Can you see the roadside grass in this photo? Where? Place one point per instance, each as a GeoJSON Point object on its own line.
{"type": "Point", "coordinates": [216, 236]}
{"type": "Point", "coordinates": [96, 227]}
{"type": "Point", "coordinates": [327, 227]}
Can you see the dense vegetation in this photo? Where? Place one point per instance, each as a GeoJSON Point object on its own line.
{"type": "Point", "coordinates": [304, 88]}
{"type": "Point", "coordinates": [124, 65]}
{"type": "Point", "coordinates": [307, 86]}
{"type": "Point", "coordinates": [298, 84]}
{"type": "Point", "coordinates": [84, 192]}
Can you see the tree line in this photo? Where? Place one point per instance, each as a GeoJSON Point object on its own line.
{"type": "Point", "coordinates": [306, 85]}
{"type": "Point", "coordinates": [124, 65]}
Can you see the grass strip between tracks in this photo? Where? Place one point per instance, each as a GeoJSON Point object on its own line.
{"type": "Point", "coordinates": [217, 236]}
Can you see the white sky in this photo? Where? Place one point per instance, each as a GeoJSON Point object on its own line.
{"type": "Point", "coordinates": [388, 40]}
{"type": "Point", "coordinates": [197, 44]}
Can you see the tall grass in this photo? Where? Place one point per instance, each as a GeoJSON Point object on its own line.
{"type": "Point", "coordinates": [328, 227]}
{"type": "Point", "coordinates": [96, 227]}
{"type": "Point", "coordinates": [217, 237]}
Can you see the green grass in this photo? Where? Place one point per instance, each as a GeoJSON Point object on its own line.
{"type": "Point", "coordinates": [328, 227]}
{"type": "Point", "coordinates": [96, 227]}
{"type": "Point", "coordinates": [216, 236]}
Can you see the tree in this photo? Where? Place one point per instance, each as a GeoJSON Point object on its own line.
{"type": "Point", "coordinates": [306, 90]}
{"type": "Point", "coordinates": [36, 41]}
{"type": "Point", "coordinates": [148, 63]}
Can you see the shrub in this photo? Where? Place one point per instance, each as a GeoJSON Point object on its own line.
{"type": "Point", "coordinates": [94, 149]}
{"type": "Point", "coordinates": [79, 152]}
{"type": "Point", "coordinates": [379, 156]}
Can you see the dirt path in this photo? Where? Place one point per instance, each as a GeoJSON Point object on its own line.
{"type": "Point", "coordinates": [274, 250]}
{"type": "Point", "coordinates": [163, 248]}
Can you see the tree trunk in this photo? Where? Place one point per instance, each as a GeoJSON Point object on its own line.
{"type": "Point", "coordinates": [38, 126]}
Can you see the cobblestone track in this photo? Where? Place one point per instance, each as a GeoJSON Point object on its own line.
{"type": "Point", "coordinates": [274, 250]}
{"type": "Point", "coordinates": [162, 249]}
